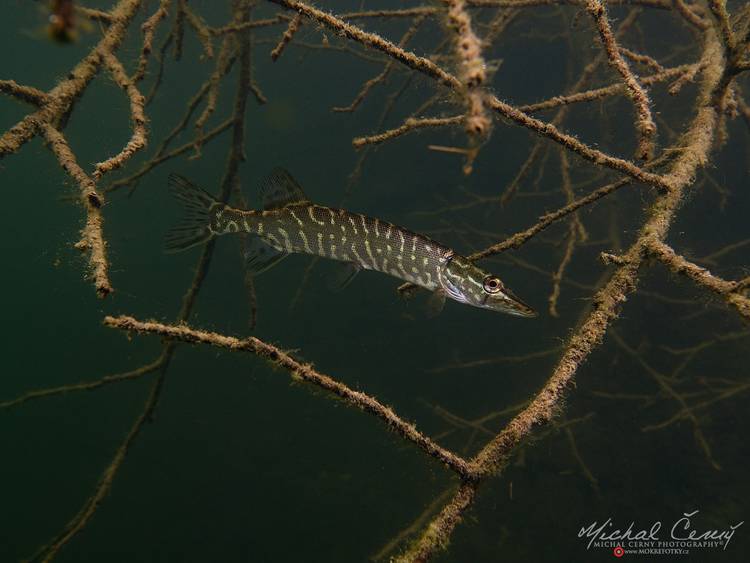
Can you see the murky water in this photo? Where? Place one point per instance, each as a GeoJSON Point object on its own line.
{"type": "Point", "coordinates": [238, 463]}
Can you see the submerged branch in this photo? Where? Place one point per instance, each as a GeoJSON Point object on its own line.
{"type": "Point", "coordinates": [298, 370]}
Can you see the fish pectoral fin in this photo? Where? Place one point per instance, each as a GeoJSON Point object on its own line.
{"type": "Point", "coordinates": [260, 255]}
{"type": "Point", "coordinates": [435, 303]}
{"type": "Point", "coordinates": [345, 273]}
{"type": "Point", "coordinates": [279, 189]}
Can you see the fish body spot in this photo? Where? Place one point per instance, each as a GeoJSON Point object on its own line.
{"type": "Point", "coordinates": [305, 242]}
{"type": "Point", "coordinates": [311, 213]}
{"type": "Point", "coordinates": [285, 236]}
{"type": "Point", "coordinates": [294, 216]}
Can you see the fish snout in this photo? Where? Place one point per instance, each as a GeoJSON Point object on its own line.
{"type": "Point", "coordinates": [516, 306]}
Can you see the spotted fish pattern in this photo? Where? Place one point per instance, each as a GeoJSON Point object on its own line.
{"type": "Point", "coordinates": [367, 242]}
{"type": "Point", "coordinates": [291, 224]}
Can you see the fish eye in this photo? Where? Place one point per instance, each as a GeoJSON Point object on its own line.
{"type": "Point", "coordinates": [492, 284]}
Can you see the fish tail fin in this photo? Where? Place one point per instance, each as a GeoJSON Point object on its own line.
{"type": "Point", "coordinates": [194, 228]}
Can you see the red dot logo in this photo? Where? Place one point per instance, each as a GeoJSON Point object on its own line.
{"type": "Point", "coordinates": [618, 551]}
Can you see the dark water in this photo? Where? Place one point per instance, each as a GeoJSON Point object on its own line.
{"type": "Point", "coordinates": [239, 464]}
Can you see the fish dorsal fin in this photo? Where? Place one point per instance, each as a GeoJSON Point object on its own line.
{"type": "Point", "coordinates": [260, 255]}
{"type": "Point", "coordinates": [279, 189]}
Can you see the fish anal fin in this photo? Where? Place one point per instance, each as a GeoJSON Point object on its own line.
{"type": "Point", "coordinates": [279, 189]}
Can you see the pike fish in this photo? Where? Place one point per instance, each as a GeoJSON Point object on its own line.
{"type": "Point", "coordinates": [290, 223]}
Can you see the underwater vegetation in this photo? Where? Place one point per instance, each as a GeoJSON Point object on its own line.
{"type": "Point", "coordinates": [593, 153]}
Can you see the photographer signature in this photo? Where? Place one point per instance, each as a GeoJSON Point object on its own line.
{"type": "Point", "coordinates": [681, 530]}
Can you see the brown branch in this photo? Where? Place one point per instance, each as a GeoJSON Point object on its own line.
{"type": "Point", "coordinates": [690, 16]}
{"type": "Point", "coordinates": [420, 521]}
{"type": "Point", "coordinates": [728, 290]}
{"type": "Point", "coordinates": [137, 115]}
{"type": "Point", "coordinates": [85, 385]}
{"type": "Point", "coordinates": [575, 229]}
{"type": "Point", "coordinates": [148, 29]}
{"type": "Point", "coordinates": [92, 239]}
{"type": "Point", "coordinates": [27, 94]}
{"type": "Point", "coordinates": [244, 26]}
{"type": "Point", "coordinates": [437, 534]}
{"type": "Point", "coordinates": [58, 102]}
{"type": "Point", "coordinates": [593, 481]}
{"type": "Point", "coordinates": [300, 371]}
{"type": "Point", "coordinates": [670, 392]}
{"type": "Point", "coordinates": [383, 75]}
{"type": "Point", "coordinates": [429, 68]}
{"type": "Point", "coordinates": [547, 402]}
{"type": "Point", "coordinates": [94, 15]}
{"type": "Point", "coordinates": [544, 221]}
{"type": "Point", "coordinates": [645, 123]}
{"type": "Point", "coordinates": [711, 258]}
{"type": "Point", "coordinates": [599, 93]}
{"type": "Point", "coordinates": [410, 124]}
{"type": "Point", "coordinates": [61, 97]}
{"type": "Point", "coordinates": [178, 31]}
{"type": "Point", "coordinates": [659, 4]}
{"type": "Point", "coordinates": [470, 154]}
{"type": "Point", "coordinates": [402, 13]}
{"type": "Point", "coordinates": [512, 188]}
{"type": "Point", "coordinates": [719, 10]}
{"type": "Point", "coordinates": [223, 63]}
{"type": "Point", "coordinates": [48, 552]}
{"type": "Point", "coordinates": [552, 217]}
{"type": "Point", "coordinates": [645, 60]}
{"type": "Point", "coordinates": [586, 74]}
{"type": "Point", "coordinates": [366, 87]}
{"type": "Point", "coordinates": [219, 73]}
{"type": "Point", "coordinates": [372, 40]}
{"type": "Point", "coordinates": [472, 72]}
{"type": "Point", "coordinates": [159, 159]}
{"type": "Point", "coordinates": [688, 76]}
{"type": "Point", "coordinates": [689, 154]}
{"type": "Point", "coordinates": [286, 37]}
{"type": "Point", "coordinates": [201, 30]}
{"type": "Point", "coordinates": [388, 106]}
{"type": "Point", "coordinates": [571, 143]}
{"type": "Point", "coordinates": [87, 512]}
{"type": "Point", "coordinates": [497, 360]}
{"type": "Point", "coordinates": [161, 59]}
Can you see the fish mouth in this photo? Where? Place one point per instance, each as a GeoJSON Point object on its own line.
{"type": "Point", "coordinates": [518, 307]}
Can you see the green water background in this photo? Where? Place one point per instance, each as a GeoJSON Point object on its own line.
{"type": "Point", "coordinates": [240, 465]}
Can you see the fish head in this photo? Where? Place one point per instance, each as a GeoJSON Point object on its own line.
{"type": "Point", "coordinates": [467, 283]}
